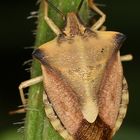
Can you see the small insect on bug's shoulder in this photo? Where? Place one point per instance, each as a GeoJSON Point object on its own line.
{"type": "Point", "coordinates": [83, 79]}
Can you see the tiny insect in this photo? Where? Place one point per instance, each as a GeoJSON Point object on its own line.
{"type": "Point", "coordinates": [83, 79]}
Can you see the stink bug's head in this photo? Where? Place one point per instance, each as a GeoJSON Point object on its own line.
{"type": "Point", "coordinates": [73, 26]}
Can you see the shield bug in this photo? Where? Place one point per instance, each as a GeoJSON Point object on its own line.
{"type": "Point", "coordinates": [83, 79]}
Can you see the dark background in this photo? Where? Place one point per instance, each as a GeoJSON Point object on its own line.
{"type": "Point", "coordinates": [16, 34]}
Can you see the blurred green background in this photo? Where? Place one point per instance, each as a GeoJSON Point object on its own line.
{"type": "Point", "coordinates": [16, 33]}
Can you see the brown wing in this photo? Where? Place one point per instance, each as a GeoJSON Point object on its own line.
{"type": "Point", "coordinates": [110, 92]}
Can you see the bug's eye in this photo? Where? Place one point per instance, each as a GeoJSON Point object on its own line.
{"type": "Point", "coordinates": [62, 37]}
{"type": "Point", "coordinates": [89, 32]}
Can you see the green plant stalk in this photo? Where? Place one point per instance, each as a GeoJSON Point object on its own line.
{"type": "Point", "coordinates": [37, 126]}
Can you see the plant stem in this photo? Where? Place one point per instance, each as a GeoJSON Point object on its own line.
{"type": "Point", "coordinates": [37, 126]}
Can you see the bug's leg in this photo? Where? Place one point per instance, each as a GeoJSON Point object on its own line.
{"type": "Point", "coordinates": [27, 84]}
{"type": "Point", "coordinates": [18, 111]}
{"type": "Point", "coordinates": [101, 20]}
{"type": "Point", "coordinates": [50, 23]}
{"type": "Point", "coordinates": [127, 57]}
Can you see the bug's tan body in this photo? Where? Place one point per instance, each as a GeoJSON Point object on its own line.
{"type": "Point", "coordinates": [83, 80]}
{"type": "Point", "coordinates": [85, 69]}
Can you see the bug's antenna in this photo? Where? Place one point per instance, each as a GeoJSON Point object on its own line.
{"type": "Point", "coordinates": [60, 12]}
{"type": "Point", "coordinates": [80, 5]}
